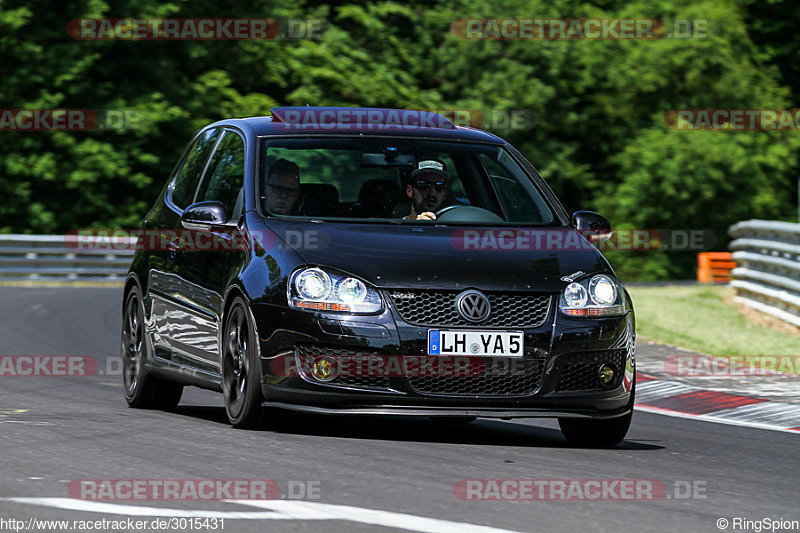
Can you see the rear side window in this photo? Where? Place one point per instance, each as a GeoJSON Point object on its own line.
{"type": "Point", "coordinates": [192, 169]}
{"type": "Point", "coordinates": [225, 175]}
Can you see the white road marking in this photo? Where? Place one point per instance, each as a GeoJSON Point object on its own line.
{"type": "Point", "coordinates": [655, 389]}
{"type": "Point", "coordinates": [372, 516]}
{"type": "Point", "coordinates": [776, 413]}
{"type": "Point", "coordinates": [71, 504]}
{"type": "Point", "coordinates": [771, 415]}
{"type": "Point", "coordinates": [712, 418]}
{"type": "Point", "coordinates": [279, 510]}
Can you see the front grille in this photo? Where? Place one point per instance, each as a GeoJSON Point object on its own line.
{"type": "Point", "coordinates": [438, 308]}
{"type": "Point", "coordinates": [579, 370]}
{"type": "Point", "coordinates": [349, 376]}
{"type": "Point", "coordinates": [499, 377]}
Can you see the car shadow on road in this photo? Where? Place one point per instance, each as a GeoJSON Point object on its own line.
{"type": "Point", "coordinates": [405, 429]}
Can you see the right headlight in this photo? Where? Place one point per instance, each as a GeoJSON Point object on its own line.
{"type": "Point", "coordinates": [596, 296]}
{"type": "Point", "coordinates": [325, 290]}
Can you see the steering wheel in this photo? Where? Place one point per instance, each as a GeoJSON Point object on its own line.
{"type": "Point", "coordinates": [445, 209]}
{"type": "Point", "coordinates": [466, 213]}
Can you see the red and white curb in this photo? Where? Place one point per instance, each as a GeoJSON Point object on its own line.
{"type": "Point", "coordinates": [673, 398]}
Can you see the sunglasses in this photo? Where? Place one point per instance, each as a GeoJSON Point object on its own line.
{"type": "Point", "coordinates": [280, 190]}
{"type": "Point", "coordinates": [425, 186]}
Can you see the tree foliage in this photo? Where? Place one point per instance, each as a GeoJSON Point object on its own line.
{"type": "Point", "coordinates": [599, 138]}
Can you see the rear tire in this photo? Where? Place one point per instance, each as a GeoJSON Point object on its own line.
{"type": "Point", "coordinates": [241, 368]}
{"type": "Point", "coordinates": [142, 390]}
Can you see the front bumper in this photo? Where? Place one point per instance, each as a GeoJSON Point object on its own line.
{"type": "Point", "coordinates": [560, 360]}
{"type": "Point", "coordinates": [432, 411]}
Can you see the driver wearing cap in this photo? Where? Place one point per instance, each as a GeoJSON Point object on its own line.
{"type": "Point", "coordinates": [427, 189]}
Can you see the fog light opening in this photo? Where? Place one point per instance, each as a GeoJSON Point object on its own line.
{"type": "Point", "coordinates": [324, 369]}
{"type": "Point", "coordinates": [606, 375]}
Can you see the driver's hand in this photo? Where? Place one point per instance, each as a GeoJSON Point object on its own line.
{"type": "Point", "coordinates": [427, 215]}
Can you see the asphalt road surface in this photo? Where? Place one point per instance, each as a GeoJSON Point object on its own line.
{"type": "Point", "coordinates": [364, 474]}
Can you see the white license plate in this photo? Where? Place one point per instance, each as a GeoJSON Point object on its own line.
{"type": "Point", "coordinates": [479, 343]}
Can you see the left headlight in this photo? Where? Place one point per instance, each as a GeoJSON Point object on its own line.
{"type": "Point", "coordinates": [315, 288]}
{"type": "Point", "coordinates": [596, 296]}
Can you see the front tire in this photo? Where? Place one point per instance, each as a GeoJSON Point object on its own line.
{"type": "Point", "coordinates": [597, 433]}
{"type": "Point", "coordinates": [241, 369]}
{"type": "Point", "coordinates": [142, 390]}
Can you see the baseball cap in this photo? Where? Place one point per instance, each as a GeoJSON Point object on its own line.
{"type": "Point", "coordinates": [430, 166]}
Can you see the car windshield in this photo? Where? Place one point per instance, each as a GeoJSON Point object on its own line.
{"type": "Point", "coordinates": [393, 179]}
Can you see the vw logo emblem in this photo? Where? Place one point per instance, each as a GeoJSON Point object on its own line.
{"type": "Point", "coordinates": [473, 306]}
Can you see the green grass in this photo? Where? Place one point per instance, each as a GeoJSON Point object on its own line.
{"type": "Point", "coordinates": [696, 318]}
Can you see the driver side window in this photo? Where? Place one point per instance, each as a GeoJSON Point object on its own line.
{"type": "Point", "coordinates": [192, 169]}
{"type": "Point", "coordinates": [225, 175]}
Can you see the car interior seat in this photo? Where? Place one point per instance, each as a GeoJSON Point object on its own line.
{"type": "Point", "coordinates": [317, 199]}
{"type": "Point", "coordinates": [377, 198]}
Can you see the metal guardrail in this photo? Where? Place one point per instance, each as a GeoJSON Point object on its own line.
{"type": "Point", "coordinates": [767, 277]}
{"type": "Point", "coordinates": [64, 258]}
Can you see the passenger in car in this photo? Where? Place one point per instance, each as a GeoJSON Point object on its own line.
{"type": "Point", "coordinates": [427, 189]}
{"type": "Point", "coordinates": [282, 187]}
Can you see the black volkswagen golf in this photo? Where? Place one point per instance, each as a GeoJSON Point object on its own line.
{"type": "Point", "coordinates": [374, 261]}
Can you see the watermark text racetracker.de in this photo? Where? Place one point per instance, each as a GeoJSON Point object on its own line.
{"type": "Point", "coordinates": [54, 366]}
{"type": "Point", "coordinates": [580, 28]}
{"type": "Point", "coordinates": [501, 240]}
{"type": "Point", "coordinates": [732, 120]}
{"type": "Point", "coordinates": [347, 119]}
{"type": "Point", "coordinates": [733, 366]}
{"type": "Point", "coordinates": [202, 29]}
{"type": "Point", "coordinates": [192, 489]}
{"type": "Point", "coordinates": [193, 240]}
{"type": "Point", "coordinates": [567, 239]}
{"type": "Point", "coordinates": [579, 489]}
{"type": "Point", "coordinates": [25, 120]}
{"type": "Point", "coordinates": [490, 119]}
{"type": "Point", "coordinates": [345, 365]}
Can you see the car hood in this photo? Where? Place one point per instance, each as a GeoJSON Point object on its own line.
{"type": "Point", "coordinates": [447, 257]}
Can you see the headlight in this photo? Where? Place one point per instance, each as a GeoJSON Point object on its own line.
{"type": "Point", "coordinates": [598, 296]}
{"type": "Point", "coordinates": [575, 295]}
{"type": "Point", "coordinates": [312, 284]}
{"type": "Point", "coordinates": [602, 290]}
{"type": "Point", "coordinates": [315, 288]}
{"type": "Point", "coordinates": [351, 290]}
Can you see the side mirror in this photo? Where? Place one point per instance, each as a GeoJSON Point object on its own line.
{"type": "Point", "coordinates": [594, 226]}
{"type": "Point", "coordinates": [204, 215]}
